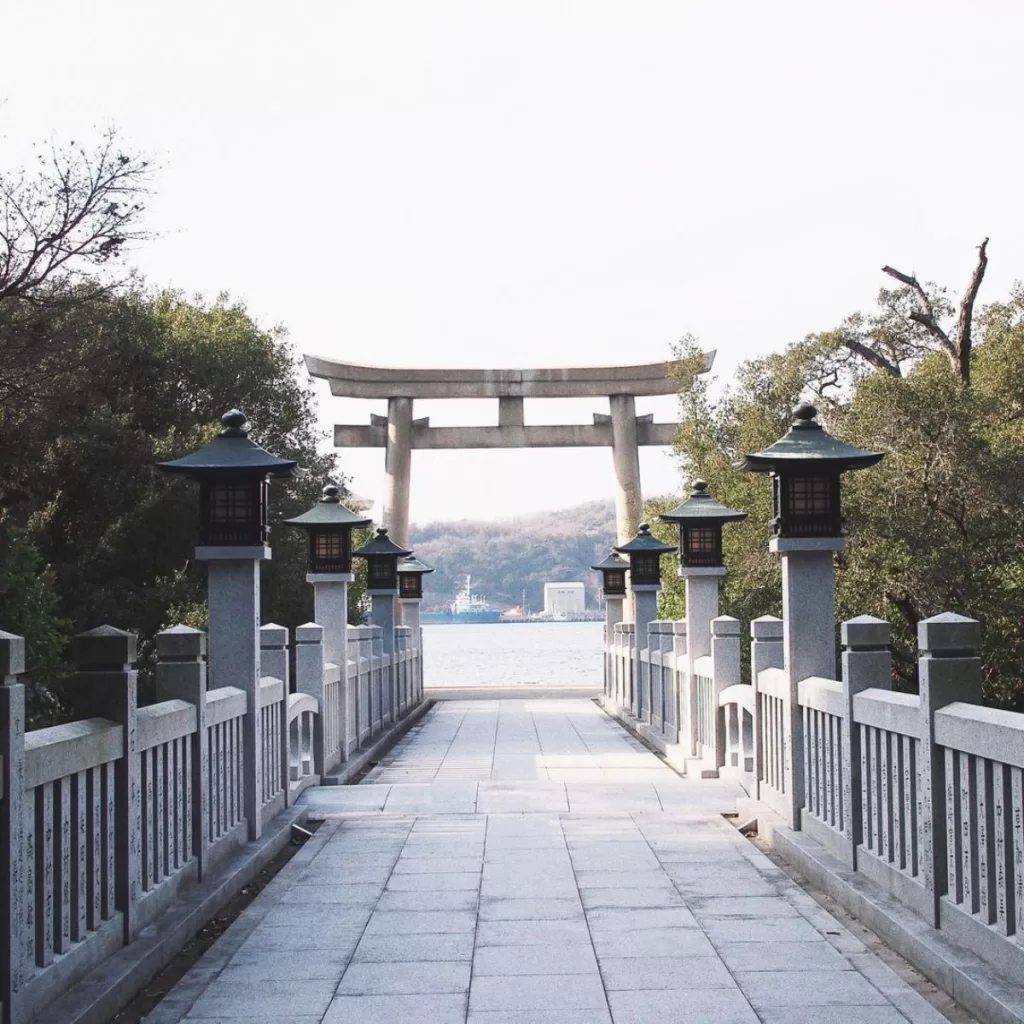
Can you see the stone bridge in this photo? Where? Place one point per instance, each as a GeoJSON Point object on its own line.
{"type": "Point", "coordinates": [533, 859]}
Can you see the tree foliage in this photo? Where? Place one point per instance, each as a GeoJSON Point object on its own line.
{"type": "Point", "coordinates": [939, 524]}
{"type": "Point", "coordinates": [101, 378]}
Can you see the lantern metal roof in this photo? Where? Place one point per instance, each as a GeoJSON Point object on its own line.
{"type": "Point", "coordinates": [230, 451]}
{"type": "Point", "coordinates": [645, 543]}
{"type": "Point", "coordinates": [808, 441]}
{"type": "Point", "coordinates": [382, 545]}
{"type": "Point", "coordinates": [613, 563]}
{"type": "Point", "coordinates": [329, 511]}
{"type": "Point", "coordinates": [700, 508]}
{"type": "Point", "coordinates": [413, 566]}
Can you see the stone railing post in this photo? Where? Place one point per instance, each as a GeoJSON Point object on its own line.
{"type": "Point", "coordinates": [725, 666]}
{"type": "Point", "coordinates": [867, 664]}
{"type": "Point", "coordinates": [766, 651]}
{"type": "Point", "coordinates": [309, 678]}
{"type": "Point", "coordinates": [380, 677]}
{"type": "Point", "coordinates": [403, 641]}
{"type": "Point", "coordinates": [13, 884]}
{"type": "Point", "coordinates": [653, 700]}
{"type": "Point", "coordinates": [274, 663]}
{"type": "Point", "coordinates": [950, 670]}
{"type": "Point", "coordinates": [181, 675]}
{"type": "Point", "coordinates": [359, 639]}
{"type": "Point", "coordinates": [681, 675]}
{"type": "Point", "coordinates": [669, 685]}
{"type": "Point", "coordinates": [105, 684]}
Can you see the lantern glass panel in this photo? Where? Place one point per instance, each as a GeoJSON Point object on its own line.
{"type": "Point", "coordinates": [807, 505]}
{"type": "Point", "coordinates": [701, 545]}
{"type": "Point", "coordinates": [615, 582]}
{"type": "Point", "coordinates": [231, 503]}
{"type": "Point", "coordinates": [410, 584]}
{"type": "Point", "coordinates": [233, 512]}
{"type": "Point", "coordinates": [328, 546]}
{"type": "Point", "coordinates": [382, 572]}
{"type": "Point", "coordinates": [810, 496]}
{"type": "Point", "coordinates": [646, 569]}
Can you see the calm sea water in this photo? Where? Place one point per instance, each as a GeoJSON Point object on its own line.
{"type": "Point", "coordinates": [502, 654]}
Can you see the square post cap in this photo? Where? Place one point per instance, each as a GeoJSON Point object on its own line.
{"type": "Point", "coordinates": [309, 633]}
{"type": "Point", "coordinates": [273, 636]}
{"type": "Point", "coordinates": [104, 648]}
{"type": "Point", "coordinates": [865, 632]}
{"type": "Point", "coordinates": [12, 654]}
{"type": "Point", "coordinates": [766, 627]}
{"type": "Point", "coordinates": [180, 642]}
{"type": "Point", "coordinates": [725, 625]}
{"type": "Point", "coordinates": [949, 634]}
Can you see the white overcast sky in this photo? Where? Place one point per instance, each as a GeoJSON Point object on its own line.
{"type": "Point", "coordinates": [542, 182]}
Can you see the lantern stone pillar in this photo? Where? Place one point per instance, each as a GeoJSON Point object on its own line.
{"type": "Point", "coordinates": [700, 519]}
{"type": "Point", "coordinates": [233, 474]}
{"type": "Point", "coordinates": [805, 466]}
{"type": "Point", "coordinates": [330, 610]}
{"type": "Point", "coordinates": [410, 610]}
{"type": "Point", "coordinates": [645, 611]}
{"type": "Point", "coordinates": [613, 611]}
{"type": "Point", "coordinates": [702, 594]}
{"type": "Point", "coordinates": [233, 608]}
{"type": "Point", "coordinates": [644, 552]}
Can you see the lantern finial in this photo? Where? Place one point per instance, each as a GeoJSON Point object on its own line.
{"type": "Point", "coordinates": [234, 424]}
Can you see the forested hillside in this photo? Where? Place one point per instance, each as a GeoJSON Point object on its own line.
{"type": "Point", "coordinates": [509, 556]}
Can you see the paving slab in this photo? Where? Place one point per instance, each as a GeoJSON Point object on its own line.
{"type": "Point", "coordinates": [520, 861]}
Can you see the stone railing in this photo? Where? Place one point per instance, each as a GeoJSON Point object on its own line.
{"type": "Point", "coordinates": [107, 821]}
{"type": "Point", "coordinates": [920, 793]}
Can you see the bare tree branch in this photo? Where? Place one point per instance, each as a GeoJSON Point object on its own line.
{"type": "Point", "coordinates": [964, 320]}
{"type": "Point", "coordinates": [871, 356]}
{"type": "Point", "coordinates": [925, 313]}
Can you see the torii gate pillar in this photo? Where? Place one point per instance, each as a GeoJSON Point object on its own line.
{"type": "Point", "coordinates": [398, 469]}
{"type": "Point", "coordinates": [629, 504]}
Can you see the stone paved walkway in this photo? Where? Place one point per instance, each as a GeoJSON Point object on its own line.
{"type": "Point", "coordinates": [528, 862]}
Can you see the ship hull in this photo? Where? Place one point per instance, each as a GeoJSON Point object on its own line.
{"type": "Point", "coordinates": [460, 617]}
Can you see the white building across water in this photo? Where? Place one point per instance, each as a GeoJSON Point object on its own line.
{"type": "Point", "coordinates": [564, 599]}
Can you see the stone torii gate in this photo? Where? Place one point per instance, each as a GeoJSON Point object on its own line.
{"type": "Point", "coordinates": [399, 432]}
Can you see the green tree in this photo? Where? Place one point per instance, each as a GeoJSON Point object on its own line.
{"type": "Point", "coordinates": [78, 470]}
{"type": "Point", "coordinates": [938, 524]}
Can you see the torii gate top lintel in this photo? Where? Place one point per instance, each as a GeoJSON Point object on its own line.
{"type": "Point", "coordinates": [356, 380]}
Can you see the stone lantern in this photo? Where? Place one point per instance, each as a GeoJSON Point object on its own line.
{"type": "Point", "coordinates": [382, 555]}
{"type": "Point", "coordinates": [233, 472]}
{"type": "Point", "coordinates": [410, 578]}
{"type": "Point", "coordinates": [805, 466]}
{"type": "Point", "coordinates": [644, 552]}
{"type": "Point", "coordinates": [329, 525]}
{"type": "Point", "coordinates": [700, 519]}
{"type": "Point", "coordinates": [613, 577]}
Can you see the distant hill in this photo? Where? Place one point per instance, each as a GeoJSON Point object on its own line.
{"type": "Point", "coordinates": [509, 556]}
